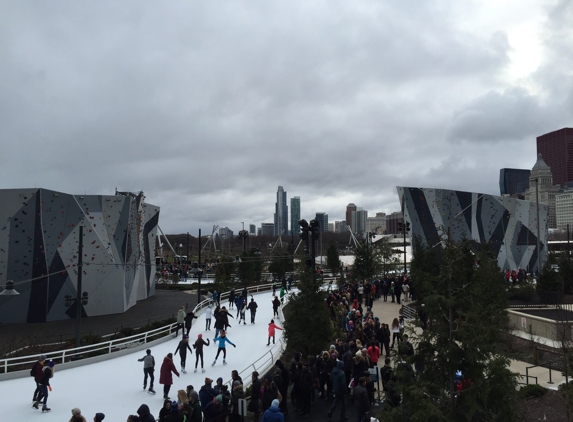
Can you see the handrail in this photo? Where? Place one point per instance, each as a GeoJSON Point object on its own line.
{"type": "Point", "coordinates": [541, 366]}
{"type": "Point", "coordinates": [110, 346]}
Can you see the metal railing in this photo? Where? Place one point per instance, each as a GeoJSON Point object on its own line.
{"type": "Point", "coordinates": [111, 346]}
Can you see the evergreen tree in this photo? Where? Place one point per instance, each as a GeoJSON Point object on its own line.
{"type": "Point", "coordinates": [307, 322]}
{"type": "Point", "coordinates": [250, 269]}
{"type": "Point", "coordinates": [281, 263]}
{"type": "Point", "coordinates": [366, 262]}
{"type": "Point", "coordinates": [224, 272]}
{"type": "Point", "coordinates": [466, 306]}
{"type": "Point", "coordinates": [333, 259]}
{"type": "Point", "coordinates": [388, 257]}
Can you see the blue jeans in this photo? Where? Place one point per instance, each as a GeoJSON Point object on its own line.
{"type": "Point", "coordinates": [43, 394]}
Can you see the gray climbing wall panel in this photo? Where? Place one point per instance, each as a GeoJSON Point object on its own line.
{"type": "Point", "coordinates": [39, 231]}
{"type": "Point", "coordinates": [508, 225]}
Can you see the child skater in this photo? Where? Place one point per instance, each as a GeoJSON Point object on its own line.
{"type": "Point", "coordinates": [272, 327]}
{"type": "Point", "coordinates": [198, 346]}
{"type": "Point", "coordinates": [222, 339]}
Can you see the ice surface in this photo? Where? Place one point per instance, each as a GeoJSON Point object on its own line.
{"type": "Point", "coordinates": [115, 387]}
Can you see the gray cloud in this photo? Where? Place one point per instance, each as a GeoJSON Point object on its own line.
{"type": "Point", "coordinates": [209, 107]}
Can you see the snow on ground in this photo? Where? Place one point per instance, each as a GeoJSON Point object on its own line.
{"type": "Point", "coordinates": [115, 387]}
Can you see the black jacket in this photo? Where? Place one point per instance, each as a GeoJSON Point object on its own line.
{"type": "Point", "coordinates": [361, 401]}
{"type": "Point", "coordinates": [144, 415]}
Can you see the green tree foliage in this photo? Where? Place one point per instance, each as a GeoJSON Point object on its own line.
{"type": "Point", "coordinates": [224, 272]}
{"type": "Point", "coordinates": [388, 257]}
{"type": "Point", "coordinates": [250, 269]}
{"type": "Point", "coordinates": [307, 327]}
{"type": "Point", "coordinates": [333, 259]}
{"type": "Point", "coordinates": [466, 305]}
{"type": "Point", "coordinates": [366, 262]}
{"type": "Point", "coordinates": [281, 263]}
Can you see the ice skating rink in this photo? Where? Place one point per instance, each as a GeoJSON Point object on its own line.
{"type": "Point", "coordinates": [115, 387]}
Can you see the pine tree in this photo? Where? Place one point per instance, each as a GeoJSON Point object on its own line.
{"type": "Point", "coordinates": [466, 306]}
{"type": "Point", "coordinates": [333, 259]}
{"type": "Point", "coordinates": [307, 322]}
{"type": "Point", "coordinates": [366, 262]}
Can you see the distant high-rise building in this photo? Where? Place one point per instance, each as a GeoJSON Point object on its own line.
{"type": "Point", "coordinates": [392, 222]}
{"type": "Point", "coordinates": [358, 221]}
{"type": "Point", "coordinates": [376, 224]}
{"type": "Point", "coordinates": [252, 229]}
{"type": "Point", "coordinates": [281, 212]}
{"type": "Point", "coordinates": [545, 189]}
{"type": "Point", "coordinates": [349, 209]}
{"type": "Point", "coordinates": [331, 227]}
{"type": "Point", "coordinates": [322, 219]}
{"type": "Point", "coordinates": [557, 151]}
{"type": "Point", "coordinates": [295, 215]}
{"type": "Point", "coordinates": [226, 232]}
{"type": "Point", "coordinates": [513, 181]}
{"type": "Point", "coordinates": [564, 210]}
{"type": "Point", "coordinates": [340, 226]}
{"type": "Point", "coordinates": [267, 229]}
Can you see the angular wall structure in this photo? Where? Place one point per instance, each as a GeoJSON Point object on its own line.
{"type": "Point", "coordinates": [508, 225]}
{"type": "Point", "coordinates": [39, 231]}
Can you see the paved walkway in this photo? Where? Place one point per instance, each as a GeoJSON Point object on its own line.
{"type": "Point", "coordinates": [162, 305]}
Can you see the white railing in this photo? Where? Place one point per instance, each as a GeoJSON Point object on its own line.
{"type": "Point", "coordinates": [111, 346]}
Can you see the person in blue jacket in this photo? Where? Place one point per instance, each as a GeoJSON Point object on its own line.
{"type": "Point", "coordinates": [273, 413]}
{"type": "Point", "coordinates": [222, 339]}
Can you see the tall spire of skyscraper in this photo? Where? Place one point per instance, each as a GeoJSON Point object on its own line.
{"type": "Point", "coordinates": [281, 212]}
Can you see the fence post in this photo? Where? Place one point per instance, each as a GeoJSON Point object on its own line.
{"type": "Point", "coordinates": [550, 381]}
{"type": "Point", "coordinates": [527, 376]}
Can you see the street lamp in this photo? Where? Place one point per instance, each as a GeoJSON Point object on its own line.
{"type": "Point", "coordinates": [404, 228]}
{"type": "Point", "coordinates": [244, 235]}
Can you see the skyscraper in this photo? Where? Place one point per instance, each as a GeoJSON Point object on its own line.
{"type": "Point", "coordinates": [322, 219]}
{"type": "Point", "coordinates": [295, 215]}
{"type": "Point", "coordinates": [281, 212]}
{"type": "Point", "coordinates": [252, 230]}
{"type": "Point", "coordinates": [557, 151]}
{"type": "Point", "coordinates": [513, 181]}
{"type": "Point", "coordinates": [358, 220]}
{"type": "Point", "coordinates": [349, 208]}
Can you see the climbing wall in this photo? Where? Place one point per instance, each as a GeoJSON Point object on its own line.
{"type": "Point", "coordinates": [39, 239]}
{"type": "Point", "coordinates": [508, 225]}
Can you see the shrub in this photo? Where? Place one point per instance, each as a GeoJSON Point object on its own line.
{"type": "Point", "coordinates": [532, 390]}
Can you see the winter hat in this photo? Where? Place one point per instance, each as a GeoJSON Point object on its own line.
{"type": "Point", "coordinates": [219, 398]}
{"type": "Point", "coordinates": [170, 355]}
{"type": "Point", "coordinates": [193, 395]}
{"type": "Point", "coordinates": [236, 382]}
{"type": "Point", "coordinates": [99, 417]}
{"type": "Point", "coordinates": [359, 353]}
{"type": "Point", "coordinates": [51, 364]}
{"type": "Point", "coordinates": [340, 364]}
{"type": "Point", "coordinates": [208, 380]}
{"type": "Point", "coordinates": [185, 336]}
{"type": "Point", "coordinates": [275, 403]}
{"type": "Point", "coordinates": [255, 373]}
{"type": "Point", "coordinates": [148, 351]}
{"type": "Point", "coordinates": [174, 407]}
{"type": "Point", "coordinates": [42, 358]}
{"type": "Point", "coordinates": [219, 379]}
{"type": "Point", "coordinates": [200, 336]}
{"type": "Point", "coordinates": [76, 411]}
{"type": "Point", "coordinates": [332, 347]}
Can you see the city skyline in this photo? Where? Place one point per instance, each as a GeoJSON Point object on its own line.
{"type": "Point", "coordinates": [208, 107]}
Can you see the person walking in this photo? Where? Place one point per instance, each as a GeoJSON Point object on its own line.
{"type": "Point", "coordinates": [148, 370]}
{"type": "Point", "coordinates": [44, 385]}
{"type": "Point", "coordinates": [198, 346]}
{"type": "Point", "coordinates": [189, 321]}
{"type": "Point", "coordinates": [338, 380]}
{"type": "Point", "coordinates": [361, 401]}
{"type": "Point", "coordinates": [182, 348]}
{"type": "Point", "coordinates": [37, 372]}
{"type": "Point", "coordinates": [206, 393]}
{"type": "Point", "coordinates": [272, 327]}
{"type": "Point", "coordinates": [273, 413]}
{"type": "Point", "coordinates": [222, 339]}
{"type": "Point", "coordinates": [180, 320]}
{"type": "Point", "coordinates": [395, 331]}
{"type": "Point", "coordinates": [196, 415]}
{"type": "Point", "coordinates": [254, 404]}
{"type": "Point", "coordinates": [253, 309]}
{"type": "Point", "coordinates": [166, 374]}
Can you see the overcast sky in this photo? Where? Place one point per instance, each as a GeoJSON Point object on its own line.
{"type": "Point", "coordinates": [209, 106]}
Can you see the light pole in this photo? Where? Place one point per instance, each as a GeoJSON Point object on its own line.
{"type": "Point", "coordinates": [244, 235]}
{"type": "Point", "coordinates": [404, 228]}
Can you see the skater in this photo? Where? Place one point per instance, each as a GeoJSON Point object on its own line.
{"type": "Point", "coordinates": [239, 303]}
{"type": "Point", "coordinates": [253, 308]}
{"type": "Point", "coordinates": [282, 295]}
{"type": "Point", "coordinates": [242, 313]}
{"type": "Point", "coordinates": [231, 298]}
{"type": "Point", "coordinates": [208, 315]}
{"type": "Point", "coordinates": [222, 339]}
{"type": "Point", "coordinates": [276, 303]}
{"type": "Point", "coordinates": [37, 371]}
{"type": "Point", "coordinates": [180, 320]}
{"type": "Point", "coordinates": [165, 374]}
{"type": "Point", "coordinates": [216, 298]}
{"type": "Point", "coordinates": [272, 327]}
{"type": "Point", "coordinates": [182, 348]}
{"type": "Point", "coordinates": [221, 320]}
{"type": "Point", "coordinates": [274, 288]}
{"type": "Point", "coordinates": [189, 321]}
{"type": "Point", "coordinates": [148, 370]}
{"type": "Point", "coordinates": [44, 386]}
{"type": "Point", "coordinates": [245, 294]}
{"type": "Point", "coordinates": [198, 346]}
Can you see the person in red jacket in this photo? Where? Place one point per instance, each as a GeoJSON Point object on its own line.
{"type": "Point", "coordinates": [165, 376]}
{"type": "Point", "coordinates": [272, 327]}
{"type": "Point", "coordinates": [374, 353]}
